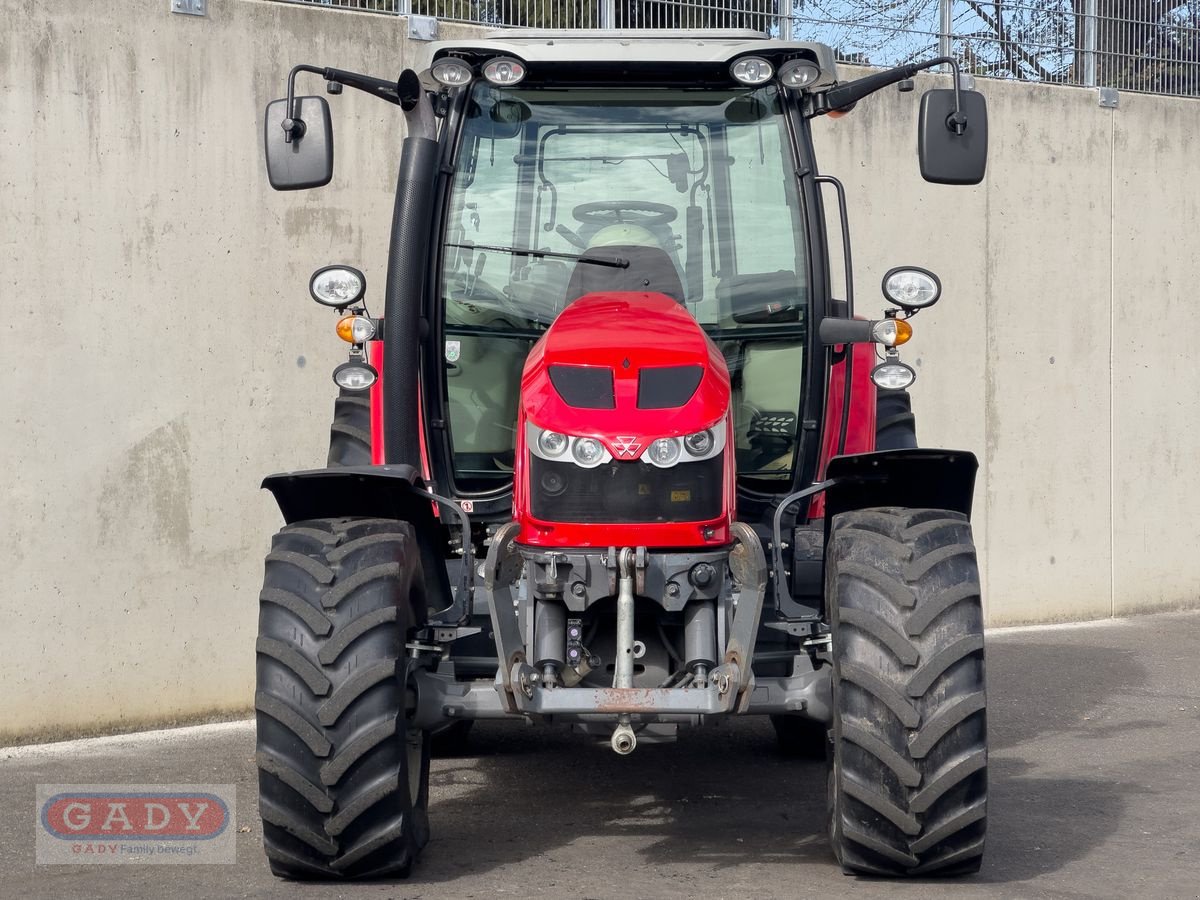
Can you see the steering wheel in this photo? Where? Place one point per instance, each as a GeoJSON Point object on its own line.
{"type": "Point", "coordinates": [625, 212]}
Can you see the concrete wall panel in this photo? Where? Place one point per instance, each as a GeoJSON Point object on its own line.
{"type": "Point", "coordinates": [1001, 360]}
{"type": "Point", "coordinates": [1048, 420]}
{"type": "Point", "coordinates": [1155, 381]}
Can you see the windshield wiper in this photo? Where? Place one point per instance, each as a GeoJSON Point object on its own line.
{"type": "Point", "coordinates": [614, 262]}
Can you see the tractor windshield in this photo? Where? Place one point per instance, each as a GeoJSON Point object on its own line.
{"type": "Point", "coordinates": [698, 186]}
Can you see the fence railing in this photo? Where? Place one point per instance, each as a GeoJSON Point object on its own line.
{"type": "Point", "coordinates": [1150, 46]}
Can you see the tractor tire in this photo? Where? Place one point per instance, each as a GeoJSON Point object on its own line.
{"type": "Point", "coordinates": [908, 775]}
{"type": "Point", "coordinates": [799, 737]}
{"type": "Point", "coordinates": [350, 433]}
{"type": "Point", "coordinates": [895, 424]}
{"type": "Point", "coordinates": [343, 782]}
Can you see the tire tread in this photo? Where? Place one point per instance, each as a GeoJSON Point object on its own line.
{"type": "Point", "coordinates": [909, 779]}
{"type": "Point", "coordinates": [334, 615]}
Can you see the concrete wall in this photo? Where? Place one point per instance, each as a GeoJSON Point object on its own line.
{"type": "Point", "coordinates": [1058, 353]}
{"type": "Point", "coordinates": [159, 353]}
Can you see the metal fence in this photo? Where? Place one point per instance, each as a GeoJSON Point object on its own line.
{"type": "Point", "coordinates": [1149, 46]}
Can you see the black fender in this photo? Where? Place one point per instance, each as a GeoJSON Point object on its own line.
{"type": "Point", "coordinates": [385, 492]}
{"type": "Point", "coordinates": [917, 478]}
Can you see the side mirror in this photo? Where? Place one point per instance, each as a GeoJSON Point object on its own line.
{"type": "Point", "coordinates": [947, 157]}
{"type": "Point", "coordinates": [306, 160]}
{"type": "Point", "coordinates": [507, 119]}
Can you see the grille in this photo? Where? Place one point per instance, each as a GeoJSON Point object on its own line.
{"type": "Point", "coordinates": [625, 492]}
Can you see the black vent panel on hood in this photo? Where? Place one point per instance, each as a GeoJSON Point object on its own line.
{"type": "Point", "coordinates": [584, 387]}
{"type": "Point", "coordinates": [668, 387]}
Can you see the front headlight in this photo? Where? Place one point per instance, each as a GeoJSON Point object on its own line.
{"type": "Point", "coordinates": [587, 452]}
{"type": "Point", "coordinates": [555, 446]}
{"type": "Point", "coordinates": [552, 444]}
{"type": "Point", "coordinates": [701, 445]}
{"type": "Point", "coordinates": [664, 452]}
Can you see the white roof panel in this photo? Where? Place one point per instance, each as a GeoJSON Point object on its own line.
{"type": "Point", "coordinates": [587, 45]}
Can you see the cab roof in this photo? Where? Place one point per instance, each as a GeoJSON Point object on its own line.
{"type": "Point", "coordinates": [598, 50]}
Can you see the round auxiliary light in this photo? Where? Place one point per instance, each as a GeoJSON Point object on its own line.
{"type": "Point", "coordinates": [911, 288]}
{"type": "Point", "coordinates": [799, 73]}
{"type": "Point", "coordinates": [588, 452]}
{"type": "Point", "coordinates": [355, 376]}
{"type": "Point", "coordinates": [893, 376]}
{"type": "Point", "coordinates": [891, 332]}
{"type": "Point", "coordinates": [337, 286]}
{"type": "Point", "coordinates": [752, 70]}
{"type": "Point", "coordinates": [700, 443]}
{"type": "Point", "coordinates": [451, 72]}
{"type": "Point", "coordinates": [553, 484]}
{"type": "Point", "coordinates": [504, 70]}
{"type": "Point", "coordinates": [664, 452]}
{"type": "Point", "coordinates": [552, 443]}
{"type": "Point", "coordinates": [355, 329]}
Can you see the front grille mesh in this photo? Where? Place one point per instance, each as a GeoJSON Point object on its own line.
{"type": "Point", "coordinates": [625, 492]}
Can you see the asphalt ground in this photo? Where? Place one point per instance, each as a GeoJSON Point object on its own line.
{"type": "Point", "coordinates": [1094, 792]}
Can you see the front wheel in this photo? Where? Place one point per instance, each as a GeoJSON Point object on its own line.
{"type": "Point", "coordinates": [350, 431]}
{"type": "Point", "coordinates": [343, 779]}
{"type": "Point", "coordinates": [908, 782]}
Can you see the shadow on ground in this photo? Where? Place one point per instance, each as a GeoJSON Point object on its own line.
{"type": "Point", "coordinates": [725, 797]}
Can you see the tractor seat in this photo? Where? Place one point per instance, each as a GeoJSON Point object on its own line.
{"type": "Point", "coordinates": [650, 269]}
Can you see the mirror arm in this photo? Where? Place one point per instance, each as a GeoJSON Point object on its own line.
{"type": "Point", "coordinates": [293, 125]}
{"type": "Point", "coordinates": [404, 93]}
{"type": "Point", "coordinates": [846, 94]}
{"type": "Point", "coordinates": [957, 120]}
{"type": "Point", "coordinates": [376, 87]}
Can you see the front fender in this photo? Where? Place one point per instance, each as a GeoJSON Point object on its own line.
{"type": "Point", "coordinates": [385, 492]}
{"type": "Point", "coordinates": [919, 478]}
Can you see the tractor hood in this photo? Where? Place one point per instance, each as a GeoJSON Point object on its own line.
{"type": "Point", "coordinates": [626, 368]}
{"type": "Point", "coordinates": [623, 427]}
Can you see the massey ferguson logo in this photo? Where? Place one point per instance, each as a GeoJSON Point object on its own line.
{"type": "Point", "coordinates": [627, 446]}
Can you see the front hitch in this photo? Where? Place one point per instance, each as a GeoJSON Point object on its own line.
{"type": "Point", "coordinates": [523, 689]}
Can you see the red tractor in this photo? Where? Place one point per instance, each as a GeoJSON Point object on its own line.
{"type": "Point", "coordinates": [614, 458]}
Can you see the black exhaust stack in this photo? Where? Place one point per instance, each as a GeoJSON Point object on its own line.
{"type": "Point", "coordinates": [408, 258]}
